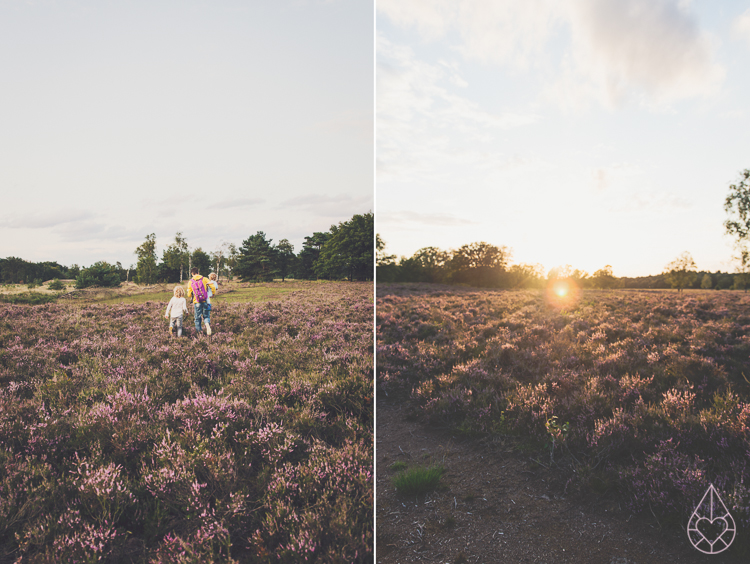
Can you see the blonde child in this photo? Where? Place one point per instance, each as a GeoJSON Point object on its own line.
{"type": "Point", "coordinates": [212, 278]}
{"type": "Point", "coordinates": [178, 307]}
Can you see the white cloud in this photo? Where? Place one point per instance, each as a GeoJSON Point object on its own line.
{"type": "Point", "coordinates": [607, 51]}
{"type": "Point", "coordinates": [417, 220]}
{"type": "Point", "coordinates": [650, 48]}
{"type": "Point", "coordinates": [236, 203]}
{"type": "Point", "coordinates": [93, 232]}
{"type": "Point", "coordinates": [505, 31]}
{"type": "Point", "coordinates": [357, 124]}
{"type": "Point", "coordinates": [432, 18]}
{"type": "Point", "coordinates": [655, 202]}
{"type": "Point", "coordinates": [421, 120]}
{"type": "Point", "coordinates": [45, 220]}
{"type": "Point", "coordinates": [741, 25]}
{"type": "Point", "coordinates": [330, 206]}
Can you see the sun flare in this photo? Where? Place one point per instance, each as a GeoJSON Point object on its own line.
{"type": "Point", "coordinates": [562, 292]}
{"type": "Point", "coordinates": [561, 289]}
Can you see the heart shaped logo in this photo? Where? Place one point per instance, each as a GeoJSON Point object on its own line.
{"type": "Point", "coordinates": [711, 528]}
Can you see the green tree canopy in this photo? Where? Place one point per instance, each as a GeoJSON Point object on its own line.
{"type": "Point", "coordinates": [681, 273]}
{"type": "Point", "coordinates": [146, 269]}
{"type": "Point", "coordinates": [737, 225]}
{"type": "Point", "coordinates": [385, 264]}
{"type": "Point", "coordinates": [14, 269]}
{"type": "Point", "coordinates": [231, 258]}
{"type": "Point", "coordinates": [479, 264]}
{"type": "Point", "coordinates": [256, 260]}
{"type": "Point", "coordinates": [604, 278]}
{"type": "Point", "coordinates": [525, 276]}
{"type": "Point", "coordinates": [202, 261]}
{"type": "Point", "coordinates": [309, 255]}
{"type": "Point", "coordinates": [428, 264]}
{"type": "Point", "coordinates": [349, 253]}
{"type": "Point", "coordinates": [176, 258]}
{"type": "Point", "coordinates": [285, 258]}
{"type": "Point", "coordinates": [98, 274]}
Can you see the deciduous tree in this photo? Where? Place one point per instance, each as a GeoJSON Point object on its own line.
{"type": "Point", "coordinates": [604, 278]}
{"type": "Point", "coordinates": [681, 273]}
{"type": "Point", "coordinates": [479, 264]}
{"type": "Point", "coordinates": [737, 225]}
{"type": "Point", "coordinates": [146, 252]}
{"type": "Point", "coordinates": [176, 256]}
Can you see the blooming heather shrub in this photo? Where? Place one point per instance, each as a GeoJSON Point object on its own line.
{"type": "Point", "coordinates": [112, 435]}
{"type": "Point", "coordinates": [668, 480]}
{"type": "Point", "coordinates": [653, 385]}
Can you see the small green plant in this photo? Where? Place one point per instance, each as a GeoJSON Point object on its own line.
{"type": "Point", "coordinates": [56, 285]}
{"type": "Point", "coordinates": [398, 465]}
{"type": "Point", "coordinates": [418, 480]}
{"type": "Point", "coordinates": [557, 433]}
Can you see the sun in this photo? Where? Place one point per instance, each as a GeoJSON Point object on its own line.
{"type": "Point", "coordinates": [562, 292]}
{"type": "Point", "coordinates": [561, 289]}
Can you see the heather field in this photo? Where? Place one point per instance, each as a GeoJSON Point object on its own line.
{"type": "Point", "coordinates": [119, 444]}
{"type": "Point", "coordinates": [643, 396]}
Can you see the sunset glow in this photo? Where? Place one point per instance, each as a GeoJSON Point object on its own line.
{"type": "Point", "coordinates": [535, 129]}
{"type": "Point", "coordinates": [562, 292]}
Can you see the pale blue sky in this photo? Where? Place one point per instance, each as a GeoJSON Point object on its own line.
{"type": "Point", "coordinates": [582, 132]}
{"type": "Point", "coordinates": [217, 119]}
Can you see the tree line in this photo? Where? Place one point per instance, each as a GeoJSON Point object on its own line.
{"type": "Point", "coordinates": [343, 252]}
{"type": "Point", "coordinates": [14, 270]}
{"type": "Point", "coordinates": [485, 265]}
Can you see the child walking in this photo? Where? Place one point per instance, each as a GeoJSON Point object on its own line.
{"type": "Point", "coordinates": [178, 306]}
{"type": "Point", "coordinates": [197, 290]}
{"type": "Point", "coordinates": [212, 278]}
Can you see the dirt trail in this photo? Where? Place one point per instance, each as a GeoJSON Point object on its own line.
{"type": "Point", "coordinates": [497, 506]}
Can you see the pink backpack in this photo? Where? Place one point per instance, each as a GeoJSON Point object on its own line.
{"type": "Point", "coordinates": [199, 290]}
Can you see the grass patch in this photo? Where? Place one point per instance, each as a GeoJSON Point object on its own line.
{"type": "Point", "coordinates": [253, 294]}
{"type": "Point", "coordinates": [138, 298]}
{"type": "Point", "coordinates": [418, 480]}
{"type": "Point", "coordinates": [241, 295]}
{"type": "Point", "coordinates": [398, 465]}
{"type": "Point", "coordinates": [31, 298]}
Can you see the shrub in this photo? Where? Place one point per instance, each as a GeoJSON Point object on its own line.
{"type": "Point", "coordinates": [98, 274]}
{"type": "Point", "coordinates": [647, 390]}
{"type": "Point", "coordinates": [30, 298]}
{"type": "Point", "coordinates": [56, 285]}
{"type": "Point", "coordinates": [418, 480]}
{"type": "Point", "coordinates": [115, 440]}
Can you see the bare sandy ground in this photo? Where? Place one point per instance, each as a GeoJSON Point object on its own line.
{"type": "Point", "coordinates": [496, 506]}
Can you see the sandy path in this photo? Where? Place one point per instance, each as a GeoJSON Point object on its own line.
{"type": "Point", "coordinates": [497, 506]}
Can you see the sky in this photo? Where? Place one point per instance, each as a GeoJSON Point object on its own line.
{"type": "Point", "coordinates": [215, 119]}
{"type": "Point", "coordinates": [580, 132]}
